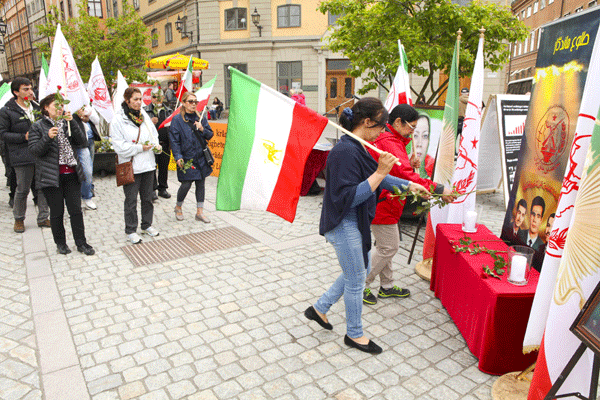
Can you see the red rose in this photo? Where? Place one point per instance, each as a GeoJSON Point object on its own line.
{"type": "Point", "coordinates": [193, 167]}
{"type": "Point", "coordinates": [58, 87]}
{"type": "Point", "coordinates": [26, 98]}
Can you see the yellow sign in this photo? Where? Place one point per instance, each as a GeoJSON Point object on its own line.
{"type": "Point", "coordinates": [567, 43]}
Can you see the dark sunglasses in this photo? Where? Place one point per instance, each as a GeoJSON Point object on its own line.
{"type": "Point", "coordinates": [192, 101]}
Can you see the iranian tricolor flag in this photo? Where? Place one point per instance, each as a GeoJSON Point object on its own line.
{"type": "Point", "coordinates": [571, 268]}
{"type": "Point", "coordinates": [465, 171]}
{"type": "Point", "coordinates": [400, 90]}
{"type": "Point", "coordinates": [186, 84]}
{"type": "Point", "coordinates": [269, 138]}
{"type": "Point", "coordinates": [5, 94]}
{"type": "Point", "coordinates": [202, 95]}
{"type": "Point", "coordinates": [43, 75]}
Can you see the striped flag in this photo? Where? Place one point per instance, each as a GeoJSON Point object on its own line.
{"type": "Point", "coordinates": [5, 94]}
{"type": "Point", "coordinates": [444, 161]}
{"type": "Point", "coordinates": [400, 91]}
{"type": "Point", "coordinates": [43, 76]}
{"type": "Point", "coordinates": [571, 267]}
{"type": "Point", "coordinates": [202, 95]}
{"type": "Point", "coordinates": [186, 84]}
{"type": "Point", "coordinates": [269, 138]}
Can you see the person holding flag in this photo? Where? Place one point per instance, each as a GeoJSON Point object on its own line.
{"type": "Point", "coordinates": [399, 129]}
{"type": "Point", "coordinates": [354, 183]}
{"type": "Point", "coordinates": [158, 111]}
{"type": "Point", "coordinates": [189, 133]}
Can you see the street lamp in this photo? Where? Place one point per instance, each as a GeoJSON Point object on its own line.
{"type": "Point", "coordinates": [256, 21]}
{"type": "Point", "coordinates": [2, 27]}
{"type": "Point", "coordinates": [180, 26]}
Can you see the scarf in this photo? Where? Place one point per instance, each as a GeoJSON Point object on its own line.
{"type": "Point", "coordinates": [134, 116]}
{"type": "Point", "coordinates": [65, 151]}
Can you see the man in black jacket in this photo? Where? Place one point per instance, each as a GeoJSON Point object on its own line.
{"type": "Point", "coordinates": [84, 119]}
{"type": "Point", "coordinates": [16, 118]}
{"type": "Point", "coordinates": [158, 111]}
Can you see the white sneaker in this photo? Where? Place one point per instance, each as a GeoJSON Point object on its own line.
{"type": "Point", "coordinates": [89, 204]}
{"type": "Point", "coordinates": [134, 238]}
{"type": "Point", "coordinates": [151, 231]}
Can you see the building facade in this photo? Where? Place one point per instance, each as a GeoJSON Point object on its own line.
{"type": "Point", "coordinates": [535, 14]}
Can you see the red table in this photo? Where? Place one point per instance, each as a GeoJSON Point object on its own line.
{"type": "Point", "coordinates": [490, 314]}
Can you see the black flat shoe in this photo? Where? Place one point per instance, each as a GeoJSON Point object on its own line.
{"type": "Point", "coordinates": [63, 249]}
{"type": "Point", "coordinates": [371, 347]}
{"type": "Point", "coordinates": [311, 313]}
{"type": "Point", "coordinates": [86, 249]}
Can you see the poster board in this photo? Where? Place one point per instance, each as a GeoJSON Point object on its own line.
{"type": "Point", "coordinates": [426, 137]}
{"type": "Point", "coordinates": [217, 144]}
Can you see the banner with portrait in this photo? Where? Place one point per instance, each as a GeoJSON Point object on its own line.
{"type": "Point", "coordinates": [561, 69]}
{"type": "Point", "coordinates": [426, 137]}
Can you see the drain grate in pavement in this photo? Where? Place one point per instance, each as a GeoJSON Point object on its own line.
{"type": "Point", "coordinates": [162, 250]}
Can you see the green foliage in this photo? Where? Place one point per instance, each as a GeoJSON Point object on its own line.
{"type": "Point", "coordinates": [120, 44]}
{"type": "Point", "coordinates": [367, 33]}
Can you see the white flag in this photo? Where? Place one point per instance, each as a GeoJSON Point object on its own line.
{"type": "Point", "coordinates": [465, 172]}
{"type": "Point", "coordinates": [400, 91]}
{"type": "Point", "coordinates": [120, 91]}
{"type": "Point", "coordinates": [98, 92]}
{"type": "Point", "coordinates": [63, 73]}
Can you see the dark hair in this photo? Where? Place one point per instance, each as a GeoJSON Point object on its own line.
{"type": "Point", "coordinates": [367, 107]}
{"type": "Point", "coordinates": [45, 102]}
{"type": "Point", "coordinates": [405, 112]}
{"type": "Point", "coordinates": [522, 203]}
{"type": "Point", "coordinates": [129, 92]}
{"type": "Point", "coordinates": [15, 86]}
{"type": "Point", "coordinates": [553, 215]}
{"type": "Point", "coordinates": [538, 201]}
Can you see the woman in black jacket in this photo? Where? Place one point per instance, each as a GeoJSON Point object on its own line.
{"type": "Point", "coordinates": [58, 174]}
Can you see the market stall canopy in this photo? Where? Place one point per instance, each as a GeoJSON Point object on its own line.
{"type": "Point", "coordinates": [176, 61]}
{"type": "Point", "coordinates": [166, 76]}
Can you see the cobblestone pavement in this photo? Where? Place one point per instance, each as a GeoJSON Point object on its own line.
{"type": "Point", "coordinates": [220, 325]}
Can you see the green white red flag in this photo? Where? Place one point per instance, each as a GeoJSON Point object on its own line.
{"type": "Point", "coordinates": [269, 138]}
{"type": "Point", "coordinates": [571, 268]}
{"type": "Point", "coordinates": [400, 91]}
{"type": "Point", "coordinates": [186, 84]}
{"type": "Point", "coordinates": [202, 95]}
{"type": "Point", "coordinates": [43, 74]}
{"type": "Point", "coordinates": [5, 94]}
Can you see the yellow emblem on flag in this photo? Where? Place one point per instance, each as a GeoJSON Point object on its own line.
{"type": "Point", "coordinates": [272, 155]}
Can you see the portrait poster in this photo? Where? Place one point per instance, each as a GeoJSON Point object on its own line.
{"type": "Point", "coordinates": [426, 137]}
{"type": "Point", "coordinates": [559, 78]}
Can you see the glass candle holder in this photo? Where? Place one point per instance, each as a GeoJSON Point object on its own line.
{"type": "Point", "coordinates": [519, 264]}
{"type": "Point", "coordinates": [471, 219]}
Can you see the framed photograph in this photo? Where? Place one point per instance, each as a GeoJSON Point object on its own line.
{"type": "Point", "coordinates": [587, 324]}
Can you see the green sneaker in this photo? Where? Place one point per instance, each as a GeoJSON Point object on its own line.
{"type": "Point", "coordinates": [368, 297]}
{"type": "Point", "coordinates": [393, 292]}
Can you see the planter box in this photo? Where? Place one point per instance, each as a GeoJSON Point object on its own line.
{"type": "Point", "coordinates": [104, 163]}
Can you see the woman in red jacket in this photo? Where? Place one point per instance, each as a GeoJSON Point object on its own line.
{"type": "Point", "coordinates": [401, 124]}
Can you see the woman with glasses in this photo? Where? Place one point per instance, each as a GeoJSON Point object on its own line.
{"type": "Point", "coordinates": [189, 136]}
{"type": "Point", "coordinates": [354, 181]}
{"type": "Point", "coordinates": [134, 138]}
{"type": "Point", "coordinates": [401, 125]}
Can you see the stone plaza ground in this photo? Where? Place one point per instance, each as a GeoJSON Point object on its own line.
{"type": "Point", "coordinates": [224, 324]}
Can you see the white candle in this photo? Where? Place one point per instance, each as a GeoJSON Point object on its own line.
{"type": "Point", "coordinates": [470, 220]}
{"type": "Point", "coordinates": [518, 266]}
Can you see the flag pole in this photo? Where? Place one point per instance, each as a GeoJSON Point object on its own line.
{"type": "Point", "coordinates": [62, 64]}
{"type": "Point", "coordinates": [361, 140]}
{"type": "Point", "coordinates": [458, 37]}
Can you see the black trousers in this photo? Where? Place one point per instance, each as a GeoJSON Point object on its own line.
{"type": "Point", "coordinates": [142, 186]}
{"type": "Point", "coordinates": [162, 162]}
{"type": "Point", "coordinates": [68, 192]}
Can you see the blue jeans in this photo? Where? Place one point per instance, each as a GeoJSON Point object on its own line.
{"type": "Point", "coordinates": [347, 243]}
{"type": "Point", "coordinates": [85, 159]}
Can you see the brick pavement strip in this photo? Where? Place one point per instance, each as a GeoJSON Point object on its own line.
{"type": "Point", "coordinates": [219, 325]}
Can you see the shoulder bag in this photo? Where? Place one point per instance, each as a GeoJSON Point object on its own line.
{"type": "Point", "coordinates": [124, 171]}
{"type": "Point", "coordinates": [210, 160]}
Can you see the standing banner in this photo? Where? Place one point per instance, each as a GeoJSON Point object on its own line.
{"type": "Point", "coordinates": [426, 137]}
{"type": "Point", "coordinates": [561, 69]}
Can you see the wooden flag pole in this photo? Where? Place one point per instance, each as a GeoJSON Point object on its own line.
{"type": "Point", "coordinates": [361, 140]}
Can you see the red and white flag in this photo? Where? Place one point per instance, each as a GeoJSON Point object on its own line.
{"type": "Point", "coordinates": [63, 73]}
{"type": "Point", "coordinates": [186, 84]}
{"type": "Point", "coordinates": [400, 91]}
{"type": "Point", "coordinates": [98, 92]}
{"type": "Point", "coordinates": [570, 270]}
{"type": "Point", "coordinates": [465, 172]}
{"type": "Point", "coordinates": [202, 95]}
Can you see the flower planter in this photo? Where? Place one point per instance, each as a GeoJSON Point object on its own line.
{"type": "Point", "coordinates": [104, 163]}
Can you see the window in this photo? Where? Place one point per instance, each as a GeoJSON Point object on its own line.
{"type": "Point", "coordinates": [289, 75]}
{"type": "Point", "coordinates": [550, 2]}
{"type": "Point", "coordinates": [288, 16]}
{"type": "Point", "coordinates": [539, 38]}
{"type": "Point", "coordinates": [154, 34]}
{"type": "Point", "coordinates": [70, 8]}
{"type": "Point", "coordinates": [592, 3]}
{"type": "Point", "coordinates": [542, 4]}
{"type": "Point", "coordinates": [184, 30]}
{"type": "Point", "coordinates": [578, 9]}
{"type": "Point", "coordinates": [240, 67]}
{"type": "Point", "coordinates": [522, 15]}
{"type": "Point", "coordinates": [532, 41]}
{"type": "Point", "coordinates": [514, 49]}
{"type": "Point", "coordinates": [332, 18]}
{"type": "Point", "coordinates": [168, 33]}
{"type": "Point", "coordinates": [567, 14]}
{"type": "Point", "coordinates": [525, 45]}
{"type": "Point", "coordinates": [115, 8]}
{"type": "Point", "coordinates": [95, 8]}
{"type": "Point", "coordinates": [235, 19]}
{"type": "Point", "coordinates": [108, 11]}
{"type": "Point", "coordinates": [520, 48]}
{"type": "Point", "coordinates": [136, 4]}
{"type": "Point", "coordinates": [528, 11]}
{"type": "Point", "coordinates": [535, 7]}
{"type": "Point", "coordinates": [62, 9]}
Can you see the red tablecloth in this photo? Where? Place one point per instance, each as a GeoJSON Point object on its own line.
{"type": "Point", "coordinates": [315, 163]}
{"type": "Point", "coordinates": [491, 314]}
